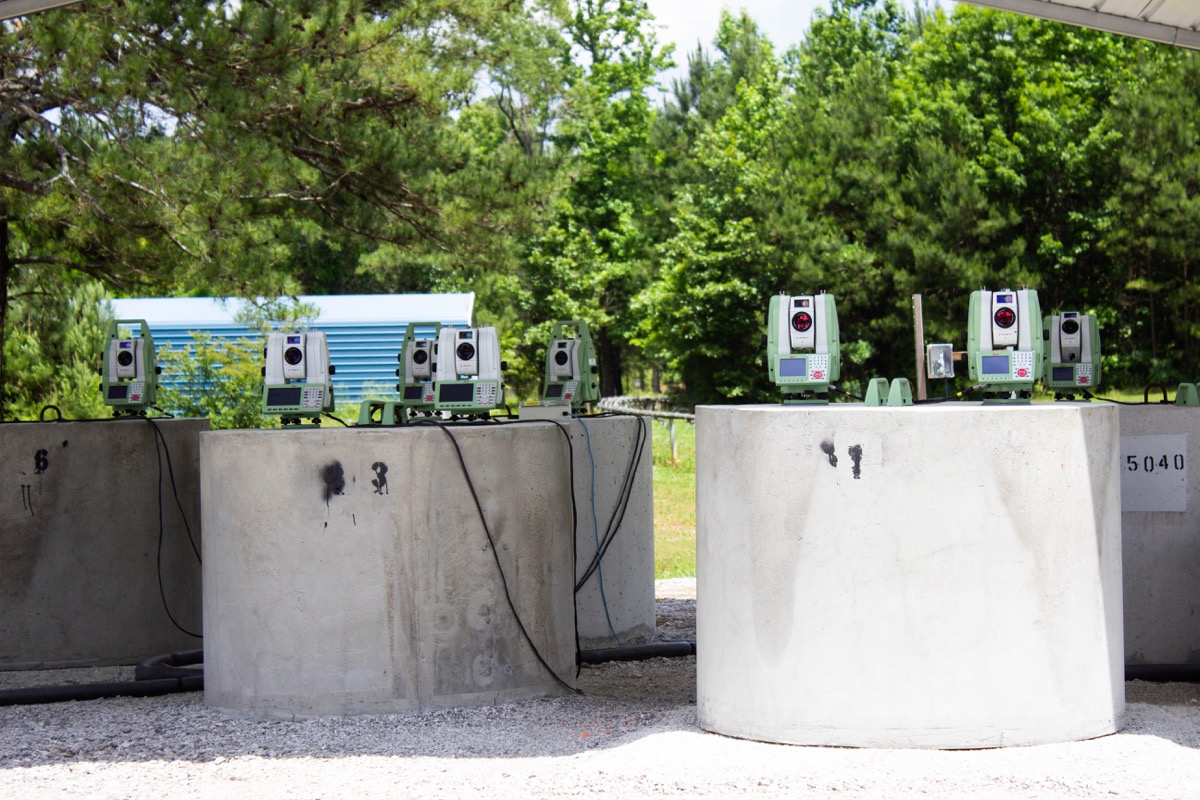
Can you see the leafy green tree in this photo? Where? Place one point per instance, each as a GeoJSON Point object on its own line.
{"type": "Point", "coordinates": [1007, 155]}
{"type": "Point", "coordinates": [1151, 315]}
{"type": "Point", "coordinates": [592, 257]}
{"type": "Point", "coordinates": [218, 380]}
{"type": "Point", "coordinates": [704, 312]}
{"type": "Point", "coordinates": [791, 196]}
{"type": "Point", "coordinates": [222, 380]}
{"type": "Point", "coordinates": [54, 342]}
{"type": "Point", "coordinates": [165, 146]}
{"type": "Point", "coordinates": [708, 89]}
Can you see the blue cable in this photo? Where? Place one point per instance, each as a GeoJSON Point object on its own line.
{"type": "Point", "coordinates": [596, 528]}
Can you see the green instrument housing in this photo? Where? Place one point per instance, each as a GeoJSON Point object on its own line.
{"type": "Point", "coordinates": [572, 374]}
{"type": "Point", "coordinates": [1005, 345]}
{"type": "Point", "coordinates": [415, 383]}
{"type": "Point", "coordinates": [803, 347]}
{"type": "Point", "coordinates": [296, 376]}
{"type": "Point", "coordinates": [382, 413]}
{"type": "Point", "coordinates": [128, 369]}
{"type": "Point", "coordinates": [474, 397]}
{"type": "Point", "coordinates": [1072, 353]}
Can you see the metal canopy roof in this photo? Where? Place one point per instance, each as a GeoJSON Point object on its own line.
{"type": "Point", "coordinates": [1174, 22]}
{"type": "Point", "coordinates": [21, 8]}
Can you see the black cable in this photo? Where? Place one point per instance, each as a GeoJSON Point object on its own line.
{"type": "Point", "coordinates": [640, 652]}
{"type": "Point", "coordinates": [158, 436]}
{"type": "Point", "coordinates": [627, 492]}
{"type": "Point", "coordinates": [610, 528]}
{"type": "Point", "coordinates": [1091, 396]}
{"type": "Point", "coordinates": [852, 396]}
{"type": "Point", "coordinates": [574, 520]}
{"type": "Point", "coordinates": [574, 509]}
{"type": "Point", "coordinates": [618, 515]}
{"type": "Point", "coordinates": [1163, 673]}
{"type": "Point", "coordinates": [343, 423]}
{"type": "Point", "coordinates": [171, 665]}
{"type": "Point", "coordinates": [496, 555]}
{"type": "Point", "coordinates": [99, 691]}
{"type": "Point", "coordinates": [161, 536]}
{"type": "Point", "coordinates": [955, 396]}
{"type": "Point", "coordinates": [175, 489]}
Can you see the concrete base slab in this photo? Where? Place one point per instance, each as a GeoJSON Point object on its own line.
{"type": "Point", "coordinates": [80, 557]}
{"type": "Point", "coordinates": [347, 571]}
{"type": "Point", "coordinates": [939, 576]}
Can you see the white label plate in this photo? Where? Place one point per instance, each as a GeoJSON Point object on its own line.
{"type": "Point", "coordinates": [1154, 473]}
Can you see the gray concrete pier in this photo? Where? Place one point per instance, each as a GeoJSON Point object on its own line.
{"type": "Point", "coordinates": [1160, 527]}
{"type": "Point", "coordinates": [347, 571]}
{"type": "Point", "coordinates": [81, 559]}
{"type": "Point", "coordinates": [940, 576]}
{"type": "Point", "coordinates": [628, 564]}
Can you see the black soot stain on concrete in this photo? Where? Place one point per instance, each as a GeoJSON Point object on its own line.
{"type": "Point", "coordinates": [827, 449]}
{"type": "Point", "coordinates": [334, 478]}
{"type": "Point", "coordinates": [855, 452]}
{"type": "Point", "coordinates": [380, 483]}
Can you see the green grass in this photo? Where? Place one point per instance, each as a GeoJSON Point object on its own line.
{"type": "Point", "coordinates": [674, 501]}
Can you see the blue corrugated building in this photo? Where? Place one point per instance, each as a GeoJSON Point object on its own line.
{"type": "Point", "coordinates": [365, 332]}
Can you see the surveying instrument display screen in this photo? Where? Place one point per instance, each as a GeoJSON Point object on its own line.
{"type": "Point", "coordinates": [803, 346]}
{"type": "Point", "coordinates": [128, 372]}
{"type": "Point", "coordinates": [1004, 343]}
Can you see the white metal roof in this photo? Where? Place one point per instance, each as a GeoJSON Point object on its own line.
{"type": "Point", "coordinates": [448, 308]}
{"type": "Point", "coordinates": [365, 332]}
{"type": "Point", "coordinates": [1174, 22]}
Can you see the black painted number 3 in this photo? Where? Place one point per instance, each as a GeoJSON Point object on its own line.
{"type": "Point", "coordinates": [1161, 463]}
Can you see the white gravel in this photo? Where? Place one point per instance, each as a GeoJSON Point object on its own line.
{"type": "Point", "coordinates": [633, 734]}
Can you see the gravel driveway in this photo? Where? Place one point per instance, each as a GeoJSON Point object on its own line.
{"type": "Point", "coordinates": [632, 734]}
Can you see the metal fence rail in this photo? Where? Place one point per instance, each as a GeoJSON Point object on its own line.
{"type": "Point", "coordinates": [650, 407]}
{"type": "Point", "coordinates": [643, 406]}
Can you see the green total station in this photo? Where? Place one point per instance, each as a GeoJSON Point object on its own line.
{"type": "Point", "coordinates": [418, 363]}
{"type": "Point", "coordinates": [572, 371]}
{"type": "Point", "coordinates": [803, 346]}
{"type": "Point", "coordinates": [128, 372]}
{"type": "Point", "coordinates": [296, 376]}
{"type": "Point", "coordinates": [1072, 354]}
{"type": "Point", "coordinates": [1004, 343]}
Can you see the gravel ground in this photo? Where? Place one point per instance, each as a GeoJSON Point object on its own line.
{"type": "Point", "coordinates": [632, 734]}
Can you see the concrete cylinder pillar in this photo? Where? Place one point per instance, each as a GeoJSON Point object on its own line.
{"type": "Point", "coordinates": [95, 555]}
{"type": "Point", "coordinates": [939, 576]}
{"type": "Point", "coordinates": [620, 456]}
{"type": "Point", "coordinates": [348, 570]}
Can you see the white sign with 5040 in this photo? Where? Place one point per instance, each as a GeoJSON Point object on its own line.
{"type": "Point", "coordinates": [1154, 473]}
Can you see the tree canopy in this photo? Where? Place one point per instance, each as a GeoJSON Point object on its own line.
{"type": "Point", "coordinates": [527, 152]}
